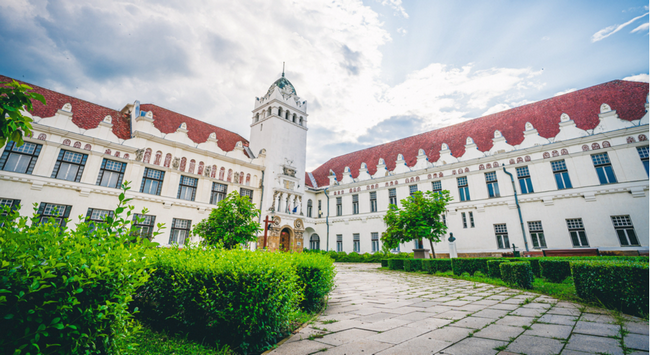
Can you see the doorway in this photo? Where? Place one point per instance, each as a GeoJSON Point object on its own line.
{"type": "Point", "coordinates": [285, 240]}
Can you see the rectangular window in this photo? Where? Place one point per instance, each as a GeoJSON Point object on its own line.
{"type": "Point", "coordinates": [537, 234]}
{"type": "Point", "coordinates": [413, 189]}
{"type": "Point", "coordinates": [462, 214]}
{"type": "Point", "coordinates": [471, 219]}
{"type": "Point", "coordinates": [69, 166]}
{"type": "Point", "coordinates": [603, 168]}
{"type": "Point", "coordinates": [436, 186]}
{"type": "Point", "coordinates": [320, 209]}
{"type": "Point", "coordinates": [392, 197]}
{"type": "Point", "coordinates": [525, 184]}
{"type": "Point", "coordinates": [355, 204]}
{"type": "Point", "coordinates": [219, 192]}
{"type": "Point", "coordinates": [643, 154]}
{"type": "Point", "coordinates": [57, 212]}
{"type": "Point", "coordinates": [502, 236]}
{"type": "Point", "coordinates": [309, 207]}
{"type": "Point", "coordinates": [180, 231]}
{"type": "Point", "coordinates": [187, 188]}
{"type": "Point", "coordinates": [247, 192]}
{"type": "Point", "coordinates": [152, 181]}
{"type": "Point", "coordinates": [561, 174]}
{"type": "Point", "coordinates": [20, 159]}
{"type": "Point", "coordinates": [374, 238]}
{"type": "Point", "coordinates": [463, 189]}
{"type": "Point", "coordinates": [357, 242]}
{"type": "Point", "coordinates": [577, 232]}
{"type": "Point", "coordinates": [373, 201]}
{"type": "Point", "coordinates": [625, 230]}
{"type": "Point", "coordinates": [111, 173]}
{"type": "Point", "coordinates": [492, 184]}
{"type": "Point", "coordinates": [339, 206]}
{"type": "Point", "coordinates": [95, 215]}
{"type": "Point", "coordinates": [143, 225]}
{"type": "Point", "coordinates": [339, 242]}
{"type": "Point", "coordinates": [8, 205]}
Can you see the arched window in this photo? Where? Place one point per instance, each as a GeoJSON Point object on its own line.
{"type": "Point", "coordinates": [257, 117]}
{"type": "Point", "coordinates": [168, 160]}
{"type": "Point", "coordinates": [314, 242]}
{"type": "Point", "coordinates": [201, 166]}
{"type": "Point", "coordinates": [183, 163]}
{"type": "Point", "coordinates": [300, 122]}
{"type": "Point", "coordinates": [280, 111]}
{"type": "Point", "coordinates": [147, 156]}
{"type": "Point", "coordinates": [192, 166]}
{"type": "Point", "coordinates": [213, 172]}
{"type": "Point", "coordinates": [229, 175]}
{"type": "Point", "coordinates": [248, 179]}
{"type": "Point", "coordinates": [294, 118]}
{"type": "Point", "coordinates": [309, 205]}
{"type": "Point", "coordinates": [158, 157]}
{"type": "Point", "coordinates": [270, 111]}
{"type": "Point", "coordinates": [286, 115]}
{"type": "Point", "coordinates": [241, 178]}
{"type": "Point", "coordinates": [222, 173]}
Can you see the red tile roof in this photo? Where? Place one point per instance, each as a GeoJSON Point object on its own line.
{"type": "Point", "coordinates": [86, 115]}
{"type": "Point", "coordinates": [583, 106]}
{"type": "Point", "coordinates": [168, 122]}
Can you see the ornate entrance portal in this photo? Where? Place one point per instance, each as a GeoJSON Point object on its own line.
{"type": "Point", "coordinates": [285, 239]}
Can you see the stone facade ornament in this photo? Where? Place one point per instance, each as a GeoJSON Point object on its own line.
{"type": "Point", "coordinates": [444, 146]}
{"type": "Point", "coordinates": [605, 108]}
{"type": "Point", "coordinates": [149, 114]}
{"type": "Point", "coordinates": [108, 119]}
{"type": "Point", "coordinates": [207, 170]}
{"type": "Point", "coordinates": [469, 140]}
{"type": "Point", "coordinates": [139, 154]}
{"type": "Point", "coordinates": [183, 125]}
{"type": "Point", "coordinates": [289, 172]}
{"type": "Point", "coordinates": [176, 162]}
{"type": "Point", "coordinates": [565, 118]}
{"type": "Point", "coordinates": [529, 126]}
{"type": "Point", "coordinates": [67, 107]}
{"type": "Point", "coordinates": [497, 134]}
{"type": "Point", "coordinates": [298, 225]}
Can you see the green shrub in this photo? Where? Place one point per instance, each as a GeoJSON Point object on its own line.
{"type": "Point", "coordinates": [315, 278]}
{"type": "Point", "coordinates": [240, 298]}
{"type": "Point", "coordinates": [493, 267]}
{"type": "Point", "coordinates": [65, 290]}
{"type": "Point", "coordinates": [517, 274]}
{"type": "Point", "coordinates": [621, 284]}
{"type": "Point", "coordinates": [534, 265]}
{"type": "Point", "coordinates": [396, 264]}
{"type": "Point", "coordinates": [436, 265]}
{"type": "Point", "coordinates": [470, 265]}
{"type": "Point", "coordinates": [555, 270]}
{"type": "Point", "coordinates": [412, 264]}
{"type": "Point", "coordinates": [384, 262]}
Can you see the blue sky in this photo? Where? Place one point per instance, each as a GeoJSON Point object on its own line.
{"type": "Point", "coordinates": [372, 71]}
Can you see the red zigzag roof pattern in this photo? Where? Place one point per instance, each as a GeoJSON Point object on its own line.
{"type": "Point", "coordinates": [583, 106]}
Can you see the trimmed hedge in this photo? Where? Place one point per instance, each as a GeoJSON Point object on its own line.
{"type": "Point", "coordinates": [315, 279]}
{"type": "Point", "coordinates": [240, 298]}
{"type": "Point", "coordinates": [412, 264]}
{"type": "Point", "coordinates": [384, 262]}
{"type": "Point", "coordinates": [518, 274]}
{"type": "Point", "coordinates": [353, 257]}
{"type": "Point", "coordinates": [555, 270]}
{"type": "Point", "coordinates": [470, 265]}
{"type": "Point", "coordinates": [493, 268]}
{"type": "Point", "coordinates": [396, 264]}
{"type": "Point", "coordinates": [436, 265]}
{"type": "Point", "coordinates": [621, 285]}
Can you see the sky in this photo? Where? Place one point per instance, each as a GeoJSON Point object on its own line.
{"type": "Point", "coordinates": [372, 71]}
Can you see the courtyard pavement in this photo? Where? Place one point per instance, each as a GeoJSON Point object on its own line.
{"type": "Point", "coordinates": [373, 311]}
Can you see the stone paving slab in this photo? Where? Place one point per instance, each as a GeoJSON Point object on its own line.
{"type": "Point", "coordinates": [391, 312]}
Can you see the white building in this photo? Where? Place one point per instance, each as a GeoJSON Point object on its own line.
{"type": "Point", "coordinates": [579, 164]}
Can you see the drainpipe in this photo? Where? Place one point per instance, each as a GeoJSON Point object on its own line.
{"type": "Point", "coordinates": [261, 206]}
{"type": "Point", "coordinates": [521, 220]}
{"type": "Point", "coordinates": [327, 220]}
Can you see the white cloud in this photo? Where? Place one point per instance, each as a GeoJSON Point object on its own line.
{"type": "Point", "coordinates": [402, 31]}
{"type": "Point", "coordinates": [644, 78]}
{"type": "Point", "coordinates": [641, 27]}
{"type": "Point", "coordinates": [397, 6]}
{"type": "Point", "coordinates": [565, 91]}
{"type": "Point", "coordinates": [496, 108]}
{"type": "Point", "coordinates": [610, 30]}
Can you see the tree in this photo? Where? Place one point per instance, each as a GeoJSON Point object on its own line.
{"type": "Point", "coordinates": [14, 98]}
{"type": "Point", "coordinates": [420, 218]}
{"type": "Point", "coordinates": [231, 223]}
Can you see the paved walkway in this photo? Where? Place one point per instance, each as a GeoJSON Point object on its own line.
{"type": "Point", "coordinates": [372, 311]}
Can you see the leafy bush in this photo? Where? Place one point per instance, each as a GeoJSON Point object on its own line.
{"type": "Point", "coordinates": [412, 264]}
{"type": "Point", "coordinates": [534, 265]}
{"type": "Point", "coordinates": [518, 274]}
{"type": "Point", "coordinates": [240, 298]}
{"type": "Point", "coordinates": [436, 265]}
{"type": "Point", "coordinates": [619, 284]}
{"type": "Point", "coordinates": [470, 265]}
{"type": "Point", "coordinates": [493, 268]}
{"type": "Point", "coordinates": [396, 264]}
{"type": "Point", "coordinates": [384, 262]}
{"type": "Point", "coordinates": [68, 291]}
{"type": "Point", "coordinates": [555, 270]}
{"type": "Point", "coordinates": [315, 278]}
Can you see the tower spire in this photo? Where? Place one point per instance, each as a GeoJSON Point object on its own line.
{"type": "Point", "coordinates": [283, 69]}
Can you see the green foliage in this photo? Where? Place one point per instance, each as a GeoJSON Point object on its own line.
{"type": "Point", "coordinates": [436, 265]}
{"type": "Point", "coordinates": [517, 274]}
{"type": "Point", "coordinates": [237, 297]}
{"type": "Point", "coordinates": [396, 264]}
{"type": "Point", "coordinates": [14, 97]}
{"type": "Point", "coordinates": [412, 264]}
{"type": "Point", "coordinates": [534, 265]}
{"type": "Point", "coordinates": [555, 270]}
{"type": "Point", "coordinates": [617, 284]}
{"type": "Point", "coordinates": [493, 267]}
{"type": "Point", "coordinates": [230, 224]}
{"type": "Point", "coordinates": [151, 342]}
{"type": "Point", "coordinates": [67, 291]}
{"type": "Point", "coordinates": [315, 279]}
{"type": "Point", "coordinates": [470, 265]}
{"type": "Point", "coordinates": [420, 218]}
{"type": "Point", "coordinates": [384, 262]}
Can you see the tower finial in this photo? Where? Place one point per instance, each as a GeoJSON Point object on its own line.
{"type": "Point", "coordinates": [283, 69]}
